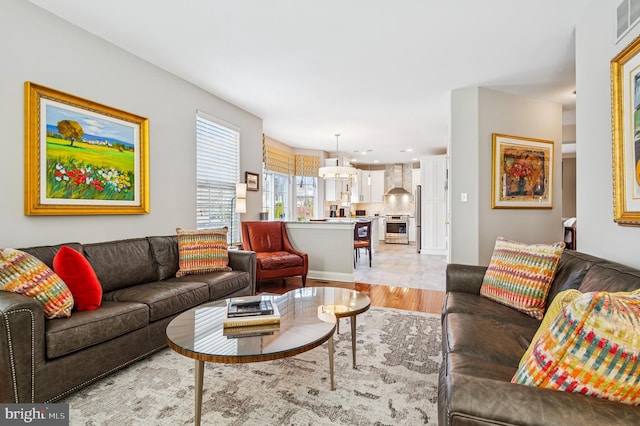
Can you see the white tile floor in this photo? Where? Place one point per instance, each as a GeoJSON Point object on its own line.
{"type": "Point", "coordinates": [399, 265]}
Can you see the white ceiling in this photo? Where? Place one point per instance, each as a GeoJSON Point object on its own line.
{"type": "Point", "coordinates": [379, 72]}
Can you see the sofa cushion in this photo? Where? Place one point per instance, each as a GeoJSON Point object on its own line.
{"type": "Point", "coordinates": [88, 328]}
{"type": "Point", "coordinates": [460, 363]}
{"type": "Point", "coordinates": [47, 253]}
{"type": "Point", "coordinates": [23, 273]}
{"type": "Point", "coordinates": [572, 268]}
{"type": "Point", "coordinates": [203, 250]}
{"type": "Point", "coordinates": [496, 341]}
{"type": "Point", "coordinates": [612, 277]}
{"type": "Point", "coordinates": [278, 260]}
{"type": "Point", "coordinates": [165, 253]}
{"type": "Point", "coordinates": [221, 284]}
{"type": "Point", "coordinates": [122, 263]}
{"type": "Point", "coordinates": [592, 348]}
{"type": "Point", "coordinates": [77, 273]}
{"type": "Point", "coordinates": [555, 308]}
{"type": "Point", "coordinates": [520, 275]}
{"type": "Point", "coordinates": [467, 303]}
{"type": "Point", "coordinates": [163, 298]}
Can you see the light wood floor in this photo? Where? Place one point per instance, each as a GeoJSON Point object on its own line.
{"type": "Point", "coordinates": [411, 299]}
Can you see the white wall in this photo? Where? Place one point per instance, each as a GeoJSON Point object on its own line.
{"type": "Point", "coordinates": [598, 234]}
{"type": "Point", "coordinates": [476, 114]}
{"type": "Point", "coordinates": [464, 169]}
{"type": "Point", "coordinates": [569, 188]}
{"type": "Point", "coordinates": [39, 47]}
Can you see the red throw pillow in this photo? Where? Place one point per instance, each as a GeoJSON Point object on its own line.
{"type": "Point", "coordinates": [76, 271]}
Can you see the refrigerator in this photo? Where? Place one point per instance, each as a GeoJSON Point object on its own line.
{"type": "Point", "coordinates": [418, 204]}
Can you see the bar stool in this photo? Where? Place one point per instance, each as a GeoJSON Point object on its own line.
{"type": "Point", "coordinates": [361, 239]}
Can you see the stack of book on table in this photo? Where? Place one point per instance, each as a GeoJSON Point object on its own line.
{"type": "Point", "coordinates": [251, 316]}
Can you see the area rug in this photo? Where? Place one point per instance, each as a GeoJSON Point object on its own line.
{"type": "Point", "coordinates": [398, 354]}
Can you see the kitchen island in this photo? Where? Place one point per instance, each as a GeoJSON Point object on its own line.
{"type": "Point", "coordinates": [329, 245]}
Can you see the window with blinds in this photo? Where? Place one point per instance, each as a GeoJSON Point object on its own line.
{"type": "Point", "coordinates": [217, 171]}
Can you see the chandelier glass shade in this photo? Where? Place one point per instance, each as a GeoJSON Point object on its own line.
{"type": "Point", "coordinates": [338, 171]}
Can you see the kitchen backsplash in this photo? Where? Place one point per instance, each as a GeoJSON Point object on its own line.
{"type": "Point", "coordinates": [382, 209]}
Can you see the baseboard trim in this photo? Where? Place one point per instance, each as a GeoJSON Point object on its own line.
{"type": "Point", "coordinates": [332, 276]}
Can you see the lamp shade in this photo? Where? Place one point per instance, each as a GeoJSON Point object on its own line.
{"type": "Point", "coordinates": [241, 197]}
{"type": "Point", "coordinates": [241, 190]}
{"type": "Point", "coordinates": [337, 172]}
{"type": "Point", "coordinates": [241, 205]}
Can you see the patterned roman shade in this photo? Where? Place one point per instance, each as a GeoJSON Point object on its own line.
{"type": "Point", "coordinates": [307, 165]}
{"type": "Point", "coordinates": [277, 159]}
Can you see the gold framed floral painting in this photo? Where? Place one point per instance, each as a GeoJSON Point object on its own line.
{"type": "Point", "coordinates": [83, 158]}
{"type": "Point", "coordinates": [522, 173]}
{"type": "Point", "coordinates": [625, 98]}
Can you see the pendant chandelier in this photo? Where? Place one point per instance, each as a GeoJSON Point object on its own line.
{"type": "Point", "coordinates": [338, 171]}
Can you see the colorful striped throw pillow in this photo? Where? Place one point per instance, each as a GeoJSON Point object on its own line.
{"type": "Point", "coordinates": [593, 348]}
{"type": "Point", "coordinates": [555, 308]}
{"type": "Point", "coordinates": [25, 274]}
{"type": "Point", "coordinates": [201, 251]}
{"type": "Point", "coordinates": [520, 275]}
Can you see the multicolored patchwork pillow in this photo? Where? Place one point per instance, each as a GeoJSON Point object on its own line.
{"type": "Point", "coordinates": [520, 275]}
{"type": "Point", "coordinates": [561, 301]}
{"type": "Point", "coordinates": [201, 251]}
{"type": "Point", "coordinates": [25, 274]}
{"type": "Point", "coordinates": [592, 348]}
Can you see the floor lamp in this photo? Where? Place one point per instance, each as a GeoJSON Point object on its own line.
{"type": "Point", "coordinates": [240, 202]}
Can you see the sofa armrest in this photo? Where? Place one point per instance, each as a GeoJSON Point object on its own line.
{"type": "Point", "coordinates": [22, 329]}
{"type": "Point", "coordinates": [464, 278]}
{"type": "Point", "coordinates": [243, 260]}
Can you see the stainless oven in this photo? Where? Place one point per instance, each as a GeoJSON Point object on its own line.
{"type": "Point", "coordinates": [396, 229]}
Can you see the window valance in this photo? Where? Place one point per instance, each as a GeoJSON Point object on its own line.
{"type": "Point", "coordinates": [277, 159]}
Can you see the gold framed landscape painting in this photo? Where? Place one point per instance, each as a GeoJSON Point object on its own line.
{"type": "Point", "coordinates": [83, 158]}
{"type": "Point", "coordinates": [521, 173]}
{"type": "Point", "coordinates": [625, 98]}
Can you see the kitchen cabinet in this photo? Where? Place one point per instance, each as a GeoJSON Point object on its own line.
{"type": "Point", "coordinates": [371, 186]}
{"type": "Point", "coordinates": [333, 188]}
{"type": "Point", "coordinates": [364, 187]}
{"type": "Point", "coordinates": [355, 187]}
{"type": "Point", "coordinates": [382, 228]}
{"type": "Point", "coordinates": [377, 186]}
{"type": "Point", "coordinates": [435, 230]}
{"type": "Point", "coordinates": [330, 190]}
{"type": "Point", "coordinates": [329, 246]}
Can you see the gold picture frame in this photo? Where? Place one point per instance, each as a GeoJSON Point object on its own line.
{"type": "Point", "coordinates": [625, 122]}
{"type": "Point", "coordinates": [83, 158]}
{"type": "Point", "coordinates": [521, 173]}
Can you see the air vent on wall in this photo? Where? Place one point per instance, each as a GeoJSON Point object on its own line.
{"type": "Point", "coordinates": [627, 16]}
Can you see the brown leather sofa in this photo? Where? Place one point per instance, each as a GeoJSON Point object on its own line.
{"type": "Point", "coordinates": [483, 341]}
{"type": "Point", "coordinates": [276, 257]}
{"type": "Point", "coordinates": [43, 360]}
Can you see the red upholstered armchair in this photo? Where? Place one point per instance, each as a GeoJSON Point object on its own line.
{"type": "Point", "coordinates": [276, 257]}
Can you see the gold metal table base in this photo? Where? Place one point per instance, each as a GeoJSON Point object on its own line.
{"type": "Point", "coordinates": [353, 337]}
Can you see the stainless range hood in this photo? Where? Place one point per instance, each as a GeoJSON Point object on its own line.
{"type": "Point", "coordinates": [397, 182]}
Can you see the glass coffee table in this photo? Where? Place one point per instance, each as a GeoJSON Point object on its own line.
{"type": "Point", "coordinates": [307, 320]}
